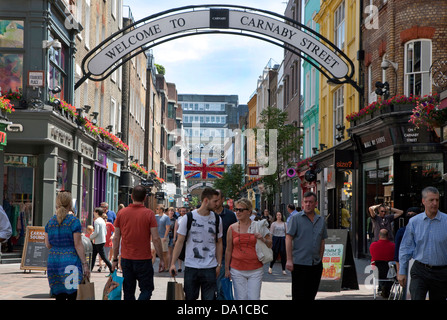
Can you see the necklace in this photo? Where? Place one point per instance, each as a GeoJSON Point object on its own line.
{"type": "Point", "coordinates": [239, 233]}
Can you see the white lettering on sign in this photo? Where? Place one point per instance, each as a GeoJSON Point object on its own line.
{"type": "Point", "coordinates": [240, 20]}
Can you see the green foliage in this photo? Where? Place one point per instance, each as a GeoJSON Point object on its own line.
{"type": "Point", "coordinates": [231, 182]}
{"type": "Point", "coordinates": [288, 145]}
{"type": "Point", "coordinates": [160, 69]}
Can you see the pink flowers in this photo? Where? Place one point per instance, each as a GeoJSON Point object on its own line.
{"type": "Point", "coordinates": [427, 114]}
{"type": "Point", "coordinates": [396, 100]}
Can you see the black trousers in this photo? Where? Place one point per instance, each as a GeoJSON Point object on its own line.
{"type": "Point", "coordinates": [99, 248]}
{"type": "Point", "coordinates": [431, 280]}
{"type": "Point", "coordinates": [305, 281]}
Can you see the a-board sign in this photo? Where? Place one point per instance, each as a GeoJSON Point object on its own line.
{"type": "Point", "coordinates": [35, 253]}
{"type": "Point", "coordinates": [338, 263]}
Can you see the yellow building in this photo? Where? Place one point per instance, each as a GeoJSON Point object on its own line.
{"type": "Point", "coordinates": [339, 22]}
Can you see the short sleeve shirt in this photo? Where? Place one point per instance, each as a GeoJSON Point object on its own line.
{"type": "Point", "coordinates": [307, 236]}
{"type": "Point", "coordinates": [135, 223]}
{"type": "Point", "coordinates": [200, 249]}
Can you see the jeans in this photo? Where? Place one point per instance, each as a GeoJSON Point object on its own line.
{"type": "Point", "coordinates": [99, 248]}
{"type": "Point", "coordinates": [196, 279]}
{"type": "Point", "coordinates": [305, 281]}
{"type": "Point", "coordinates": [141, 271]}
{"type": "Point", "coordinates": [247, 283]}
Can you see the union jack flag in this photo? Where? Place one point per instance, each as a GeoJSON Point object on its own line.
{"type": "Point", "coordinates": [198, 168]}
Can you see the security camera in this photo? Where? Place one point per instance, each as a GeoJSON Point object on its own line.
{"type": "Point", "coordinates": [384, 65]}
{"type": "Point", "coordinates": [57, 44]}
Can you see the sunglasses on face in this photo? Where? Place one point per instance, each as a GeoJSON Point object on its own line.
{"type": "Point", "coordinates": [239, 209]}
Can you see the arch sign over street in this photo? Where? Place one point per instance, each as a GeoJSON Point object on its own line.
{"type": "Point", "coordinates": [172, 24]}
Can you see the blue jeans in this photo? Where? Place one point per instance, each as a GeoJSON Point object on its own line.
{"type": "Point", "coordinates": [141, 271]}
{"type": "Point", "coordinates": [196, 279]}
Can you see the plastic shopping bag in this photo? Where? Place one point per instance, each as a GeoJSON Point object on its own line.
{"type": "Point", "coordinates": [113, 287]}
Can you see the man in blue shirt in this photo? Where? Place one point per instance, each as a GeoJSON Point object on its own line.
{"type": "Point", "coordinates": [425, 240]}
{"type": "Point", "coordinates": [111, 215]}
{"type": "Point", "coordinates": [291, 210]}
{"type": "Point", "coordinates": [305, 236]}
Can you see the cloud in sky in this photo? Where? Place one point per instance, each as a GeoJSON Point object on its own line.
{"type": "Point", "coordinates": [212, 64]}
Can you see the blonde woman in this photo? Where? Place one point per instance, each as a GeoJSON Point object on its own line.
{"type": "Point", "coordinates": [66, 256]}
{"type": "Point", "coordinates": [241, 261]}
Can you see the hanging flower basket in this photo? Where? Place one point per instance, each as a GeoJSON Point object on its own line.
{"type": "Point", "coordinates": [6, 107]}
{"type": "Point", "coordinates": [427, 114]}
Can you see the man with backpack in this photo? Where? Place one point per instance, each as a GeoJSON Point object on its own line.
{"type": "Point", "coordinates": [201, 232]}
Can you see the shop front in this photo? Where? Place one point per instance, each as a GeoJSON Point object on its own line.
{"type": "Point", "coordinates": [113, 178]}
{"type": "Point", "coordinates": [335, 173]}
{"type": "Point", "coordinates": [48, 155]}
{"type": "Point", "coordinates": [397, 161]}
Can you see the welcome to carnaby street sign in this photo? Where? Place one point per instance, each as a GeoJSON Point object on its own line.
{"type": "Point", "coordinates": [237, 20]}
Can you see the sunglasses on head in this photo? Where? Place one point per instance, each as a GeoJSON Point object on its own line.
{"type": "Point", "coordinates": [240, 209]}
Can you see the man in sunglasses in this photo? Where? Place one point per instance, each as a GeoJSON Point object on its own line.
{"type": "Point", "coordinates": [383, 220]}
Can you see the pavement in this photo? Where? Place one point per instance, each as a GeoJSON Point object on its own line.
{"type": "Point", "coordinates": [28, 285]}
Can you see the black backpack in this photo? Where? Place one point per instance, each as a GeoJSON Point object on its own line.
{"type": "Point", "coordinates": [188, 226]}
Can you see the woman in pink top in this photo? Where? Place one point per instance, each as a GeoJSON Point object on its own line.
{"type": "Point", "coordinates": [241, 260]}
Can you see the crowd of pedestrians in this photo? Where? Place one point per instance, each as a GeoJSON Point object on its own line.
{"type": "Point", "coordinates": [212, 243]}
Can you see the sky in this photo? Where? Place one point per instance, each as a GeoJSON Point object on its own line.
{"type": "Point", "coordinates": [212, 64]}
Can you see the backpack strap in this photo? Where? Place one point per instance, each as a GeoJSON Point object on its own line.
{"type": "Point", "coordinates": [188, 223]}
{"type": "Point", "coordinates": [217, 224]}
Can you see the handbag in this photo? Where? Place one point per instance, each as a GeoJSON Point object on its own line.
{"type": "Point", "coordinates": [175, 291]}
{"type": "Point", "coordinates": [227, 288]}
{"type": "Point", "coordinates": [264, 253]}
{"type": "Point", "coordinates": [113, 287]}
{"type": "Point", "coordinates": [86, 290]}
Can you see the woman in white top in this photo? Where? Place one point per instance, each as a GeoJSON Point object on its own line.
{"type": "Point", "coordinates": [99, 238]}
{"type": "Point", "coordinates": [278, 230]}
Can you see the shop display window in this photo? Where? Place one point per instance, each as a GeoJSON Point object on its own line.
{"type": "Point", "coordinates": [62, 176]}
{"type": "Point", "coordinates": [11, 54]}
{"type": "Point", "coordinates": [85, 196]}
{"type": "Point", "coordinates": [18, 193]}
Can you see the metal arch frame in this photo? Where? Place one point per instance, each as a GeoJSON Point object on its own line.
{"type": "Point", "coordinates": [347, 79]}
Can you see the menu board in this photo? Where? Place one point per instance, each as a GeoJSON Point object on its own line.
{"type": "Point", "coordinates": [338, 263]}
{"type": "Point", "coordinates": [35, 253]}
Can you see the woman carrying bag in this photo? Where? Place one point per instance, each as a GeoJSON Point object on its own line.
{"type": "Point", "coordinates": [66, 258]}
{"type": "Point", "coordinates": [241, 259]}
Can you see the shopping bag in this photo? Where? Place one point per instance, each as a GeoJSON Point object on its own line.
{"type": "Point", "coordinates": [113, 287]}
{"type": "Point", "coordinates": [227, 288]}
{"type": "Point", "coordinates": [175, 291]}
{"type": "Point", "coordinates": [86, 290]}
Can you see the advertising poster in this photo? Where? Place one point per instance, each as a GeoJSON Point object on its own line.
{"type": "Point", "coordinates": [332, 262]}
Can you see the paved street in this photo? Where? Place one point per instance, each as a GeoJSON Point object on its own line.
{"type": "Point", "coordinates": [16, 284]}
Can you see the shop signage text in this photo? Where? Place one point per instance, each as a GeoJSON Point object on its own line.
{"type": "Point", "coordinates": [344, 159]}
{"type": "Point", "coordinates": [375, 141]}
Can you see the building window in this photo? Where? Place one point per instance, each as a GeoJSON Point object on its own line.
{"type": "Point", "coordinates": [58, 66]}
{"type": "Point", "coordinates": [307, 97]}
{"type": "Point", "coordinates": [11, 55]}
{"type": "Point", "coordinates": [171, 110]}
{"type": "Point", "coordinates": [313, 87]}
{"type": "Point", "coordinates": [339, 26]}
{"type": "Point", "coordinates": [339, 102]}
{"type": "Point", "coordinates": [418, 58]}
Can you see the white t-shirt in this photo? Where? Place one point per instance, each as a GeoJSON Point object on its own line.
{"type": "Point", "coordinates": [200, 249]}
